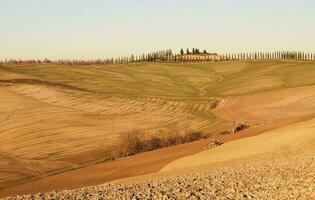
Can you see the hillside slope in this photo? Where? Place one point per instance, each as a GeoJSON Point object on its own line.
{"type": "Point", "coordinates": [58, 118]}
{"type": "Point", "coordinates": [289, 138]}
{"type": "Point", "coordinates": [284, 170]}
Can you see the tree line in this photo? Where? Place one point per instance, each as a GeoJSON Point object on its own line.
{"type": "Point", "coordinates": [169, 56]}
{"type": "Point", "coordinates": [65, 62]}
{"type": "Point", "coordinates": [158, 56]}
{"type": "Point", "coordinates": [280, 55]}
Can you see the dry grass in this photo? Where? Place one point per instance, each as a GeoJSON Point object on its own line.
{"type": "Point", "coordinates": [78, 120]}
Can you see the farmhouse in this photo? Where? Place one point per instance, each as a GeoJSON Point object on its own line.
{"type": "Point", "coordinates": [200, 57]}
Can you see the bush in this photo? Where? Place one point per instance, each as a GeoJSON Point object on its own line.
{"type": "Point", "coordinates": [154, 143]}
{"type": "Point", "coordinates": [241, 127]}
{"type": "Point", "coordinates": [131, 144]}
{"type": "Point", "coordinates": [193, 136]}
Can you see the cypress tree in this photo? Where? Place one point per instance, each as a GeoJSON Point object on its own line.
{"type": "Point", "coordinates": [182, 51]}
{"type": "Point", "coordinates": [187, 51]}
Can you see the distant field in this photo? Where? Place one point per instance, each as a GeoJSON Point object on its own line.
{"type": "Point", "coordinates": [55, 118]}
{"type": "Point", "coordinates": [197, 80]}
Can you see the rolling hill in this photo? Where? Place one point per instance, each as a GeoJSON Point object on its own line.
{"type": "Point", "coordinates": [56, 118]}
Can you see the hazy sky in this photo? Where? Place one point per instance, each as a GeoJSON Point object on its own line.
{"type": "Point", "coordinates": [89, 29]}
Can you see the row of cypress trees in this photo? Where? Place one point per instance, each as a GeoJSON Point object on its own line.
{"type": "Point", "coordinates": [168, 56]}
{"type": "Point", "coordinates": [280, 55]}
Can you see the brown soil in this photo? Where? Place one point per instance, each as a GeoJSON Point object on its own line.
{"type": "Point", "coordinates": [133, 166]}
{"type": "Point", "coordinates": [99, 173]}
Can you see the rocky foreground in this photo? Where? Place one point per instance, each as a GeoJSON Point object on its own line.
{"type": "Point", "coordinates": [285, 177]}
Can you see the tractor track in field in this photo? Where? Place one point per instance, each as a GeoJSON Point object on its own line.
{"type": "Point", "coordinates": [70, 87]}
{"type": "Point", "coordinates": [41, 82]}
{"type": "Point", "coordinates": [203, 89]}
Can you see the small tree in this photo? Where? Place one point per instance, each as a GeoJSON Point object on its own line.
{"type": "Point", "coordinates": [155, 143]}
{"type": "Point", "coordinates": [182, 51]}
{"type": "Point", "coordinates": [187, 51]}
{"type": "Point", "coordinates": [205, 52]}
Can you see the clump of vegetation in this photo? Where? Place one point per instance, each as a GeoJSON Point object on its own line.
{"type": "Point", "coordinates": [237, 128]}
{"type": "Point", "coordinates": [135, 142]}
{"type": "Point", "coordinates": [240, 127]}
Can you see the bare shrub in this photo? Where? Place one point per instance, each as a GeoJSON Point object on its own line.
{"type": "Point", "coordinates": [154, 143]}
{"type": "Point", "coordinates": [193, 136]}
{"type": "Point", "coordinates": [135, 142]}
{"type": "Point", "coordinates": [240, 127]}
{"type": "Point", "coordinates": [131, 144]}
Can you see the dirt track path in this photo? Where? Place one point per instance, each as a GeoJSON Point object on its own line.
{"type": "Point", "coordinates": [203, 89]}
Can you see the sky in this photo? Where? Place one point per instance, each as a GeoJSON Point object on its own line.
{"type": "Point", "coordinates": [93, 29]}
